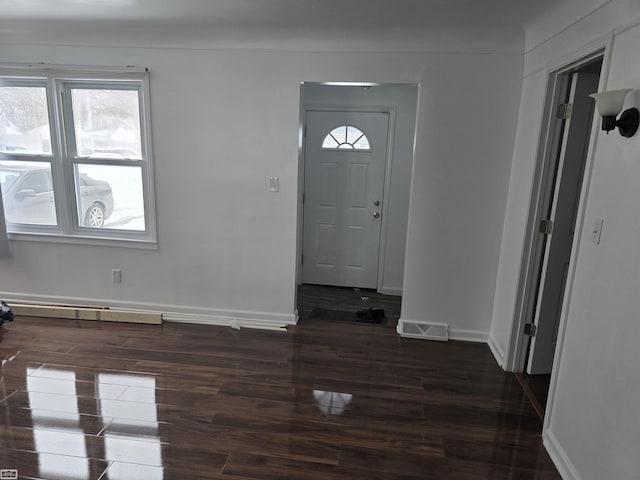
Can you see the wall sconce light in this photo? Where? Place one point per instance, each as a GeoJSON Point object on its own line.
{"type": "Point", "coordinates": [609, 105]}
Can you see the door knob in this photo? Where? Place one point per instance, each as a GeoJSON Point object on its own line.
{"type": "Point", "coordinates": [376, 214]}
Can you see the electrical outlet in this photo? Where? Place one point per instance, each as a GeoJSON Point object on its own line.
{"type": "Point", "coordinates": [116, 275]}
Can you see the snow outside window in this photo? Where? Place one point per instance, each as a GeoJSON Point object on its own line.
{"type": "Point", "coordinates": [74, 156]}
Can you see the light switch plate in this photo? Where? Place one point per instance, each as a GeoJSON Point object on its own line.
{"type": "Point", "coordinates": [274, 184]}
{"type": "Point", "coordinates": [596, 233]}
{"type": "Point", "coordinates": [116, 275]}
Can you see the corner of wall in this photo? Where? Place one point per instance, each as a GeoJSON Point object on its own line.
{"type": "Point", "coordinates": [558, 455]}
{"type": "Point", "coordinates": [496, 349]}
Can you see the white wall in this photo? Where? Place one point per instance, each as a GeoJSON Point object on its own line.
{"type": "Point", "coordinates": [592, 425]}
{"type": "Point", "coordinates": [225, 120]}
{"type": "Point", "coordinates": [558, 37]}
{"type": "Point", "coordinates": [594, 420]}
{"type": "Point", "coordinates": [467, 116]}
{"type": "Point", "coordinates": [516, 218]}
{"type": "Point", "coordinates": [402, 100]}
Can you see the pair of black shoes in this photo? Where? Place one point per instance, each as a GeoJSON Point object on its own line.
{"type": "Point", "coordinates": [6, 315]}
{"type": "Point", "coordinates": [373, 315]}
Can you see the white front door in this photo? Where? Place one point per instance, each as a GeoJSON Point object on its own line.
{"type": "Point", "coordinates": [345, 157]}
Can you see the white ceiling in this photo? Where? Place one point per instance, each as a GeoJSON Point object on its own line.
{"type": "Point", "coordinates": [277, 13]}
{"type": "Point", "coordinates": [298, 25]}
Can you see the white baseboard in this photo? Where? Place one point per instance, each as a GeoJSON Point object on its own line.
{"type": "Point", "coordinates": [496, 350]}
{"type": "Point", "coordinates": [476, 336]}
{"type": "Point", "coordinates": [230, 321]}
{"type": "Point", "coordinates": [391, 291]}
{"type": "Point", "coordinates": [170, 313]}
{"type": "Point", "coordinates": [559, 456]}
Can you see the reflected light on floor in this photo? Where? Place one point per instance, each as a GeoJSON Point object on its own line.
{"type": "Point", "coordinates": [332, 403]}
{"type": "Point", "coordinates": [127, 407]}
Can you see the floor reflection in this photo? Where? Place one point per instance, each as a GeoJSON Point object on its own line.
{"type": "Point", "coordinates": [332, 403]}
{"type": "Point", "coordinates": [8, 358]}
{"type": "Point", "coordinates": [131, 438]}
{"type": "Point", "coordinates": [60, 443]}
{"type": "Point", "coordinates": [126, 406]}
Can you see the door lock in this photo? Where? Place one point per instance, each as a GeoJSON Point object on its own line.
{"type": "Point", "coordinates": [376, 203]}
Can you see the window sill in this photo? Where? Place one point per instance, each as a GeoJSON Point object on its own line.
{"type": "Point", "coordinates": [84, 240]}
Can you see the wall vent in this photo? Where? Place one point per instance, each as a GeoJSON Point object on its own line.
{"type": "Point", "coordinates": [424, 330]}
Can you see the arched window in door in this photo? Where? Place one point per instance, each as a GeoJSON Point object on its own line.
{"type": "Point", "coordinates": [346, 137]}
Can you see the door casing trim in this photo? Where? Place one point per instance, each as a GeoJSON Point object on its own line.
{"type": "Point", "coordinates": [515, 356]}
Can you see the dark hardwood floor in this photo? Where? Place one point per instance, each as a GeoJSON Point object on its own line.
{"type": "Point", "coordinates": [326, 400]}
{"type": "Point", "coordinates": [536, 387]}
{"type": "Point", "coordinates": [347, 299]}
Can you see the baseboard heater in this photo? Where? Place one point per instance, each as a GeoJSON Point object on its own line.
{"type": "Point", "coordinates": [423, 330]}
{"type": "Point", "coordinates": [86, 313]}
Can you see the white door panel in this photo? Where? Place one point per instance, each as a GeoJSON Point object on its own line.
{"type": "Point", "coordinates": [343, 199]}
{"type": "Point", "coordinates": [559, 244]}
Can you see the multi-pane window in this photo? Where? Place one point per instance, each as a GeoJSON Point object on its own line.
{"type": "Point", "coordinates": [74, 154]}
{"type": "Point", "coordinates": [345, 137]}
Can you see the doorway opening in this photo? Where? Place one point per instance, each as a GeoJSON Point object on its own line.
{"type": "Point", "coordinates": [356, 157]}
{"type": "Point", "coordinates": [323, 303]}
{"type": "Point", "coordinates": [554, 211]}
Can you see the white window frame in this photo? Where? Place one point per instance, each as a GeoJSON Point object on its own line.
{"type": "Point", "coordinates": [58, 82]}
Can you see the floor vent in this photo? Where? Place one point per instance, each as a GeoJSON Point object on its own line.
{"type": "Point", "coordinates": [424, 330]}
